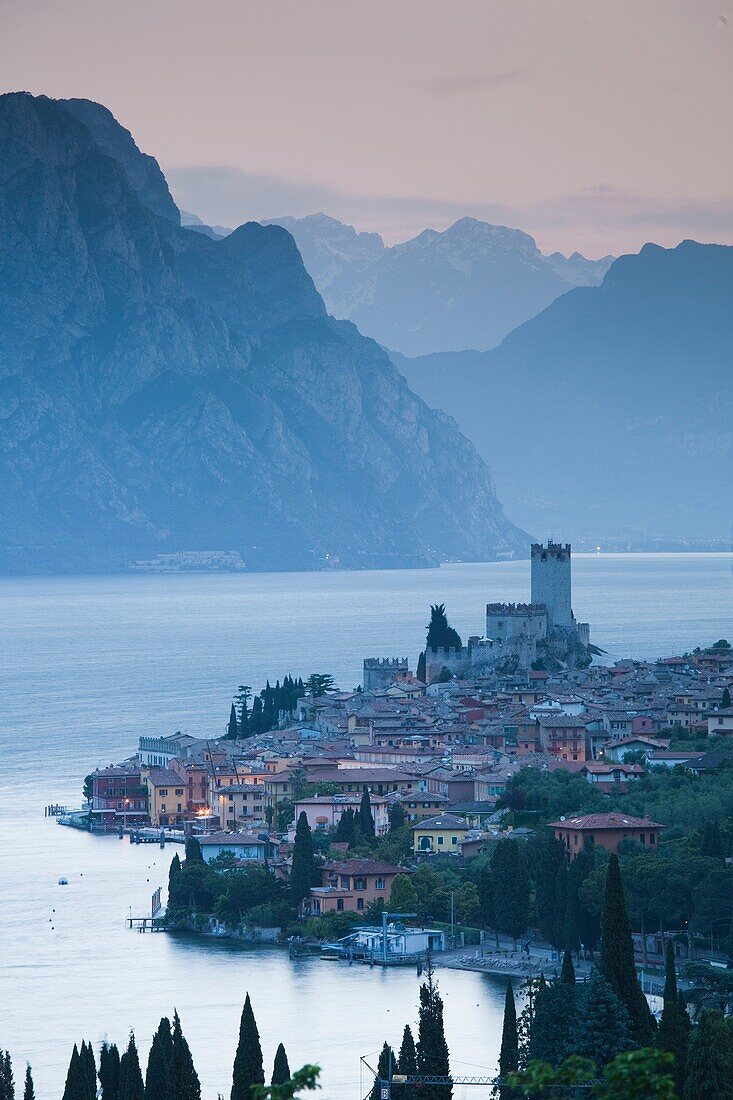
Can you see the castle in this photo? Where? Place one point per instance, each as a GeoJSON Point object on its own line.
{"type": "Point", "coordinates": [520, 635]}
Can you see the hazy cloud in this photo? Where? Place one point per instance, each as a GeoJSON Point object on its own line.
{"type": "Point", "coordinates": [453, 85]}
{"type": "Point", "coordinates": [595, 220]}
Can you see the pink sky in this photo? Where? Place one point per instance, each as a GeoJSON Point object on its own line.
{"type": "Point", "coordinates": [592, 124]}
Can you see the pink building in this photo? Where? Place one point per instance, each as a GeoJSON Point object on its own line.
{"type": "Point", "coordinates": [350, 886]}
{"type": "Point", "coordinates": [324, 811]}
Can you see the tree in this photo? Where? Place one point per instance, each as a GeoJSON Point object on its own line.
{"type": "Point", "coordinates": [7, 1084]}
{"type": "Point", "coordinates": [432, 1049]}
{"type": "Point", "coordinates": [193, 851]}
{"type": "Point", "coordinates": [511, 888]}
{"type": "Point", "coordinates": [241, 699]}
{"type": "Point", "coordinates": [345, 827]}
{"type": "Point", "coordinates": [75, 1087]}
{"type": "Point", "coordinates": [88, 788]}
{"type": "Point", "coordinates": [603, 1027]}
{"type": "Point", "coordinates": [548, 862]}
{"type": "Point", "coordinates": [711, 842]}
{"type": "Point", "coordinates": [396, 817]}
{"type": "Point", "coordinates": [709, 1068]}
{"type": "Point", "coordinates": [509, 1050]}
{"type": "Point", "coordinates": [156, 1074]}
{"type": "Point", "coordinates": [725, 699]}
{"type": "Point", "coordinates": [407, 1059]}
{"type": "Point", "coordinates": [305, 1078]}
{"type": "Point", "coordinates": [183, 1082]}
{"type": "Point", "coordinates": [581, 921]}
{"type": "Point", "coordinates": [440, 634]}
{"type": "Point", "coordinates": [674, 1024]}
{"type": "Point", "coordinates": [89, 1069]}
{"type": "Point", "coordinates": [29, 1092]}
{"type": "Point", "coordinates": [109, 1069]}
{"type": "Point", "coordinates": [553, 1023]}
{"type": "Point", "coordinates": [319, 684]}
{"type": "Point", "coordinates": [281, 1069]}
{"type": "Point", "coordinates": [385, 1069]}
{"type": "Point", "coordinates": [421, 668]}
{"type": "Point", "coordinates": [248, 1067]}
{"type": "Point", "coordinates": [635, 1075]}
{"type": "Point", "coordinates": [303, 870]}
{"type": "Point", "coordinates": [366, 818]}
{"type": "Point", "coordinates": [131, 1085]}
{"type": "Point", "coordinates": [617, 957]}
{"type": "Point", "coordinates": [402, 895]}
{"type": "Point", "coordinates": [233, 727]}
{"type": "Point", "coordinates": [567, 973]}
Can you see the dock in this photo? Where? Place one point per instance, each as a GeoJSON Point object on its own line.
{"type": "Point", "coordinates": [147, 924]}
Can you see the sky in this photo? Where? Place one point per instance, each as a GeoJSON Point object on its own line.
{"type": "Point", "coordinates": [595, 125]}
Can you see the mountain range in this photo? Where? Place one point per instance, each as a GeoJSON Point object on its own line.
{"type": "Point", "coordinates": [611, 412]}
{"type": "Point", "coordinates": [464, 288]}
{"type": "Point", "coordinates": [162, 389]}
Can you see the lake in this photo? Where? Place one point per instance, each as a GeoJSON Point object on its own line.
{"type": "Point", "coordinates": [87, 664]}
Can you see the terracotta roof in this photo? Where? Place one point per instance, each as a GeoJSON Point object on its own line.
{"type": "Point", "coordinates": [606, 821]}
{"type": "Point", "coordinates": [363, 867]}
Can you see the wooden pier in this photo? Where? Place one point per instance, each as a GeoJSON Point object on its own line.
{"type": "Point", "coordinates": [146, 924]}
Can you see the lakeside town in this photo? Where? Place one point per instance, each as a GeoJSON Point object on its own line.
{"type": "Point", "coordinates": [408, 785]}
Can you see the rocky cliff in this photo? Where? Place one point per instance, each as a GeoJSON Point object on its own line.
{"type": "Point", "coordinates": [161, 390]}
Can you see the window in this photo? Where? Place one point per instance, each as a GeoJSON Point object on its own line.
{"type": "Point", "coordinates": [440, 840]}
{"type": "Point", "coordinates": [360, 903]}
{"type": "Point", "coordinates": [179, 807]}
{"type": "Point", "coordinates": [360, 884]}
{"type": "Point", "coordinates": [652, 838]}
{"type": "Point", "coordinates": [379, 884]}
{"type": "Point", "coordinates": [163, 807]}
{"type": "Point", "coordinates": [340, 905]}
{"type": "Point", "coordinates": [642, 838]}
{"type": "Point", "coordinates": [454, 840]}
{"type": "Point", "coordinates": [163, 791]}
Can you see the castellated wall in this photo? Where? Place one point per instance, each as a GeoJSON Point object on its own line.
{"type": "Point", "coordinates": [509, 621]}
{"type": "Point", "coordinates": [551, 582]}
{"type": "Point", "coordinates": [380, 672]}
{"type": "Point", "coordinates": [456, 660]}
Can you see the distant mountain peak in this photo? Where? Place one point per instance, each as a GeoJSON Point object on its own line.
{"type": "Point", "coordinates": [463, 287]}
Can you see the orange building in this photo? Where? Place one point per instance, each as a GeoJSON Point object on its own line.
{"type": "Point", "coordinates": [564, 735]}
{"type": "Point", "coordinates": [350, 886]}
{"type": "Point", "coordinates": [606, 830]}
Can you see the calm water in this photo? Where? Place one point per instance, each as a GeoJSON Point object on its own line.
{"type": "Point", "coordinates": [88, 664]}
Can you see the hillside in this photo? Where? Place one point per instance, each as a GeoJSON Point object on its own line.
{"type": "Point", "coordinates": [610, 412]}
{"type": "Point", "coordinates": [162, 390]}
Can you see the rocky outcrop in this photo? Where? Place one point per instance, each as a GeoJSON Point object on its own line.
{"type": "Point", "coordinates": [162, 390]}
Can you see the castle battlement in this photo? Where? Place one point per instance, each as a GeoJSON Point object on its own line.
{"type": "Point", "coordinates": [386, 662]}
{"type": "Point", "coordinates": [379, 672]}
{"type": "Point", "coordinates": [553, 551]}
{"type": "Point", "coordinates": [522, 609]}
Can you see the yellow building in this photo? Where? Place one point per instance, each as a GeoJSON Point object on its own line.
{"type": "Point", "coordinates": [166, 795]}
{"type": "Point", "coordinates": [439, 834]}
{"type": "Point", "coordinates": [238, 803]}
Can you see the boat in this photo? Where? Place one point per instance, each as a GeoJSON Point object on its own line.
{"type": "Point", "coordinates": [63, 881]}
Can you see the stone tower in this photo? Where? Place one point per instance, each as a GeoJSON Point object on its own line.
{"type": "Point", "coordinates": [551, 582]}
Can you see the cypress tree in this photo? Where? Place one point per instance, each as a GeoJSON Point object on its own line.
{"type": "Point", "coordinates": [7, 1084]}
{"type": "Point", "coordinates": [509, 1051]}
{"type": "Point", "coordinates": [75, 1089]}
{"type": "Point", "coordinates": [674, 1025]}
{"type": "Point", "coordinates": [255, 718]}
{"type": "Point", "coordinates": [617, 957]}
{"type": "Point", "coordinates": [159, 1058]}
{"type": "Point", "coordinates": [553, 1020]}
{"type": "Point", "coordinates": [366, 818]}
{"type": "Point", "coordinates": [29, 1092]}
{"type": "Point", "coordinates": [603, 1027]}
{"type": "Point", "coordinates": [183, 1082]}
{"type": "Point", "coordinates": [89, 1069]}
{"type": "Point", "coordinates": [711, 843]}
{"type": "Point", "coordinates": [421, 668]}
{"type": "Point", "coordinates": [233, 727]}
{"type": "Point", "coordinates": [193, 851]}
{"type": "Point", "coordinates": [561, 907]}
{"type": "Point", "coordinates": [281, 1069]}
{"type": "Point", "coordinates": [709, 1073]}
{"type": "Point", "coordinates": [248, 1067]}
{"type": "Point", "coordinates": [109, 1070]}
{"type": "Point", "coordinates": [131, 1085]}
{"type": "Point", "coordinates": [407, 1060]}
{"type": "Point", "coordinates": [345, 827]}
{"type": "Point", "coordinates": [432, 1049]}
{"type": "Point", "coordinates": [567, 973]}
{"type": "Point", "coordinates": [725, 701]}
{"type": "Point", "coordinates": [385, 1069]}
{"type": "Point", "coordinates": [511, 888]}
{"type": "Point", "coordinates": [303, 870]}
